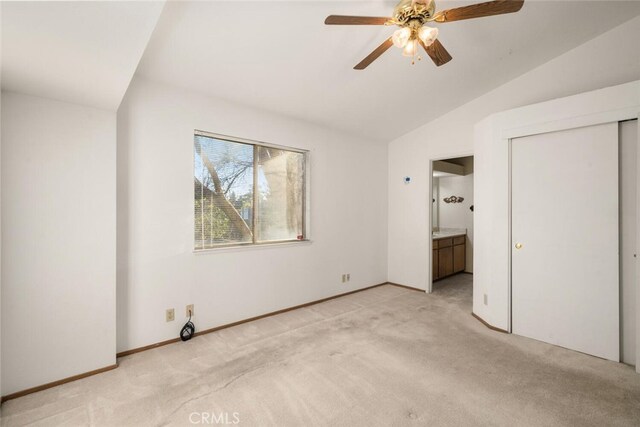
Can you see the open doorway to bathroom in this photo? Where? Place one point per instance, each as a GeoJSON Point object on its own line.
{"type": "Point", "coordinates": [452, 226]}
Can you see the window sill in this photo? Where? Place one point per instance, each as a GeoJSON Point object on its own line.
{"type": "Point", "coordinates": [252, 246]}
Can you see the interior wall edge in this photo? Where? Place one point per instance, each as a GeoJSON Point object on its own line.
{"type": "Point", "coordinates": [60, 141]}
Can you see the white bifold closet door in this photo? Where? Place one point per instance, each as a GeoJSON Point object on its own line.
{"type": "Point", "coordinates": [564, 229]}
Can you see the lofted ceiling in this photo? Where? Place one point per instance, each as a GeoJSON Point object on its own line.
{"type": "Point", "coordinates": [279, 56]}
{"type": "Point", "coordinates": [80, 52]}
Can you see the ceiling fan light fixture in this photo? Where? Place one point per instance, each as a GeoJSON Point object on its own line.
{"type": "Point", "coordinates": [412, 15]}
{"type": "Point", "coordinates": [411, 48]}
{"type": "Point", "coordinates": [428, 35]}
{"type": "Point", "coordinates": [401, 37]}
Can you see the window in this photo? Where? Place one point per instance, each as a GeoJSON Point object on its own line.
{"type": "Point", "coordinates": [247, 193]}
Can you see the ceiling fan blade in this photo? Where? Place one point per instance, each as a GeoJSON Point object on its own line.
{"type": "Point", "coordinates": [437, 52]}
{"type": "Point", "coordinates": [479, 10]}
{"type": "Point", "coordinates": [354, 20]}
{"type": "Point", "coordinates": [374, 55]}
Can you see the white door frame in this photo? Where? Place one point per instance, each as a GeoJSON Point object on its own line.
{"type": "Point", "coordinates": [430, 240]}
{"type": "Point", "coordinates": [507, 135]}
{"type": "Point", "coordinates": [638, 240]}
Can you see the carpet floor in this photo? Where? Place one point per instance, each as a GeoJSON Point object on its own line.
{"type": "Point", "coordinates": [385, 356]}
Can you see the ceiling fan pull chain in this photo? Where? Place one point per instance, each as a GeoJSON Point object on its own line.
{"type": "Point", "coordinates": [415, 55]}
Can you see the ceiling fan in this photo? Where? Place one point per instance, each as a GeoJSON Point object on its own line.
{"type": "Point", "coordinates": [412, 16]}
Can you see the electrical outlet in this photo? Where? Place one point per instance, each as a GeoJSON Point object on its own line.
{"type": "Point", "coordinates": [486, 299]}
{"type": "Point", "coordinates": [189, 311]}
{"type": "Point", "coordinates": [348, 276]}
{"type": "Point", "coordinates": [344, 278]}
{"type": "Point", "coordinates": [171, 315]}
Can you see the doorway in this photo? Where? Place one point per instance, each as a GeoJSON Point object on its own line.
{"type": "Point", "coordinates": [452, 224]}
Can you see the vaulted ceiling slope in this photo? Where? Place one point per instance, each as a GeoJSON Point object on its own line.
{"type": "Point", "coordinates": [279, 56]}
{"type": "Point", "coordinates": [80, 52]}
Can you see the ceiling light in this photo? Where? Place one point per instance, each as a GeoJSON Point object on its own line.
{"type": "Point", "coordinates": [401, 37]}
{"type": "Point", "coordinates": [428, 35]}
{"type": "Point", "coordinates": [411, 48]}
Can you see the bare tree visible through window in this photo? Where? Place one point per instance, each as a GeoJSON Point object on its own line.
{"type": "Point", "coordinates": [246, 193]}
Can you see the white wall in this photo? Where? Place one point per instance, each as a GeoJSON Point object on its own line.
{"type": "Point", "coordinates": [156, 266]}
{"type": "Point", "coordinates": [452, 135]}
{"type": "Point", "coordinates": [58, 240]}
{"type": "Point", "coordinates": [457, 215]}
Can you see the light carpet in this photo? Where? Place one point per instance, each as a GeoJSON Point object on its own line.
{"type": "Point", "coordinates": [385, 356]}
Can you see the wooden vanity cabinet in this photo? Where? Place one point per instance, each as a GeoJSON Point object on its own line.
{"type": "Point", "coordinates": [459, 254]}
{"type": "Point", "coordinates": [445, 262]}
{"type": "Point", "coordinates": [449, 256]}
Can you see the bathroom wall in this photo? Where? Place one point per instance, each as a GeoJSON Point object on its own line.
{"type": "Point", "coordinates": [457, 215]}
{"type": "Point", "coordinates": [434, 203]}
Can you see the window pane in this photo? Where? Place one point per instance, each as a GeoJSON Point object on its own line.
{"type": "Point", "coordinates": [280, 201]}
{"type": "Point", "coordinates": [223, 182]}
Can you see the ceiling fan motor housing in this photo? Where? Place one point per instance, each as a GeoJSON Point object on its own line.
{"type": "Point", "coordinates": [413, 10]}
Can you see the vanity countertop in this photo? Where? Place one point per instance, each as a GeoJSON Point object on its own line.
{"type": "Point", "coordinates": [452, 232]}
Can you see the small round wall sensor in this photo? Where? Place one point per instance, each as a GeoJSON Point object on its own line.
{"type": "Point", "coordinates": [407, 179]}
